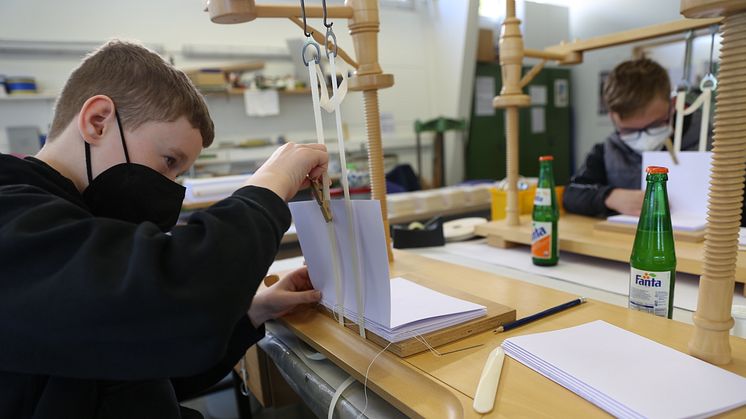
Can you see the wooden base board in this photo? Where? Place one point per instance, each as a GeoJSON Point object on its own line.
{"type": "Point", "coordinates": [429, 386]}
{"type": "Point", "coordinates": [497, 314]}
{"type": "Point", "coordinates": [578, 234]}
{"type": "Point", "coordinates": [697, 236]}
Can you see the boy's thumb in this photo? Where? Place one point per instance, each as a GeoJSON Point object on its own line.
{"type": "Point", "coordinates": [312, 296]}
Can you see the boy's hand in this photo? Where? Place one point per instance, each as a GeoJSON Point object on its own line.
{"type": "Point", "coordinates": [625, 201]}
{"type": "Point", "coordinates": [281, 298]}
{"type": "Point", "coordinates": [286, 170]}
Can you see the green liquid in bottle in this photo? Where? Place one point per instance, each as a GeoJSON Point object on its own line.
{"type": "Point", "coordinates": [653, 259]}
{"type": "Point", "coordinates": [544, 217]}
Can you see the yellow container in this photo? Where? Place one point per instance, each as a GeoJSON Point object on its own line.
{"type": "Point", "coordinates": [525, 201]}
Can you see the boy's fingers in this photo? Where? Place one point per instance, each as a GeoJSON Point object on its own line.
{"type": "Point", "coordinates": [312, 296]}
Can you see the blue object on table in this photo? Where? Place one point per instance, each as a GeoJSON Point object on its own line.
{"type": "Point", "coordinates": [540, 315]}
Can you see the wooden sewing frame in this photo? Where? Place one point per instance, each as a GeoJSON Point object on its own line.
{"type": "Point", "coordinates": [362, 16]}
{"type": "Point", "coordinates": [363, 23]}
{"type": "Point", "coordinates": [421, 386]}
{"type": "Point", "coordinates": [712, 319]}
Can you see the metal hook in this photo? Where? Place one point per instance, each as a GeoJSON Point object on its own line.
{"type": "Point", "coordinates": [323, 6]}
{"type": "Point", "coordinates": [308, 43]}
{"type": "Point", "coordinates": [709, 80]}
{"type": "Point", "coordinates": [330, 34]}
{"type": "Point", "coordinates": [305, 26]}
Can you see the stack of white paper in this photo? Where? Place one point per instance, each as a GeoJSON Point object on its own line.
{"type": "Point", "coordinates": [683, 222]}
{"type": "Point", "coordinates": [395, 309]}
{"type": "Point", "coordinates": [628, 375]}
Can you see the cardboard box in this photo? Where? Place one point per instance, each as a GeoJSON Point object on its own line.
{"type": "Point", "coordinates": [485, 46]}
{"type": "Point", "coordinates": [208, 78]}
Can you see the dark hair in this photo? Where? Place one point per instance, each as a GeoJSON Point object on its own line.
{"type": "Point", "coordinates": [632, 85]}
{"type": "Point", "coordinates": [143, 86]}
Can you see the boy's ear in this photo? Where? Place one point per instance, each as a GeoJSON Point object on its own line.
{"type": "Point", "coordinates": [96, 114]}
{"type": "Point", "coordinates": [614, 117]}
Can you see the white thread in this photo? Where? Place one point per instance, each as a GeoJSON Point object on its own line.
{"type": "Point", "coordinates": [337, 394]}
{"type": "Point", "coordinates": [422, 340]}
{"type": "Point", "coordinates": [365, 384]}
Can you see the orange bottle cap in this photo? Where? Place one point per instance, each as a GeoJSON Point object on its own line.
{"type": "Point", "coordinates": [546, 158]}
{"type": "Point", "coordinates": [656, 170]}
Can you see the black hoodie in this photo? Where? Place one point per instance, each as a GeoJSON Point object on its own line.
{"type": "Point", "coordinates": [101, 317]}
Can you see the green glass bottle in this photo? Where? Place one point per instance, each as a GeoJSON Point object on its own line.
{"type": "Point", "coordinates": [653, 259]}
{"type": "Point", "coordinates": [544, 251]}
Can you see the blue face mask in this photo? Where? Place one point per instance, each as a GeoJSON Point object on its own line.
{"type": "Point", "coordinates": [133, 192]}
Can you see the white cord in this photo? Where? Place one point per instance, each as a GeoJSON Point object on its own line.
{"type": "Point", "coordinates": [338, 394]}
{"type": "Point", "coordinates": [338, 285]}
{"type": "Point", "coordinates": [702, 101]}
{"type": "Point", "coordinates": [365, 384]}
{"type": "Point", "coordinates": [352, 233]}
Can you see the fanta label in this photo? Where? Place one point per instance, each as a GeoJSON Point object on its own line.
{"type": "Point", "coordinates": [541, 240]}
{"type": "Point", "coordinates": [543, 197]}
{"type": "Point", "coordinates": [649, 291]}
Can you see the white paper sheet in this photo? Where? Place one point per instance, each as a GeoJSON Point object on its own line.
{"type": "Point", "coordinates": [561, 93]}
{"type": "Point", "coordinates": [683, 222]}
{"type": "Point", "coordinates": [538, 120]}
{"type": "Point", "coordinates": [261, 102]}
{"type": "Point", "coordinates": [606, 275]}
{"type": "Point", "coordinates": [687, 187]}
{"type": "Point", "coordinates": [538, 94]}
{"type": "Point", "coordinates": [395, 309]}
{"type": "Point", "coordinates": [411, 302]}
{"type": "Point", "coordinates": [688, 182]}
{"type": "Point", "coordinates": [629, 375]}
{"type": "Point", "coordinates": [314, 240]}
{"type": "Point", "coordinates": [484, 92]}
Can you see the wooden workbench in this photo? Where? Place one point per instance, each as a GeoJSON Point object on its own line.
{"type": "Point", "coordinates": [577, 234]}
{"type": "Point", "coordinates": [424, 385]}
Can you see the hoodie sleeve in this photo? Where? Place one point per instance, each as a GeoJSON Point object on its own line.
{"type": "Point", "coordinates": [89, 297]}
{"type": "Point", "coordinates": [588, 188]}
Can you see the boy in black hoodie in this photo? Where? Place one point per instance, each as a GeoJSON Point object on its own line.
{"type": "Point", "coordinates": [106, 309]}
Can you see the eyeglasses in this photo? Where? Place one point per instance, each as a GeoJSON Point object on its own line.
{"type": "Point", "coordinates": [633, 134]}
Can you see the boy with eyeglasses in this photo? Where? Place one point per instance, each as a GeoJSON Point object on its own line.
{"type": "Point", "coordinates": [638, 96]}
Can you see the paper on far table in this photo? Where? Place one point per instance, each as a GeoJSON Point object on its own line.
{"type": "Point", "coordinates": [687, 187]}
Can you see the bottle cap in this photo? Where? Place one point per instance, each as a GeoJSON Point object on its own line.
{"type": "Point", "coordinates": [656, 170]}
{"type": "Point", "coordinates": [546, 158]}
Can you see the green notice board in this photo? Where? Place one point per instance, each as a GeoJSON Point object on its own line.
{"type": "Point", "coordinates": [544, 126]}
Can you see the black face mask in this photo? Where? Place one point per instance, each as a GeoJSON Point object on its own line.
{"type": "Point", "coordinates": [133, 192]}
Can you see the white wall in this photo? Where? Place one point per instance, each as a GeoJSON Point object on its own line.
{"type": "Point", "coordinates": [428, 82]}
{"type": "Point", "coordinates": [451, 64]}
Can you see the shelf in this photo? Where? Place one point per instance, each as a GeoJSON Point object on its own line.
{"type": "Point", "coordinates": [239, 91]}
{"type": "Point", "coordinates": [29, 97]}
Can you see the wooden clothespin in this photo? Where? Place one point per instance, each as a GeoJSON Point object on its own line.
{"type": "Point", "coordinates": [317, 192]}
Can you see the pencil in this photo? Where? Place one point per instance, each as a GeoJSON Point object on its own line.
{"type": "Point", "coordinates": [540, 315]}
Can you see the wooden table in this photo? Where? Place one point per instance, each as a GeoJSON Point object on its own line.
{"type": "Point", "coordinates": [578, 235]}
{"type": "Point", "coordinates": [424, 385]}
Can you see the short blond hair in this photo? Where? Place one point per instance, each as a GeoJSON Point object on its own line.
{"type": "Point", "coordinates": [143, 86]}
{"type": "Point", "coordinates": [633, 84]}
